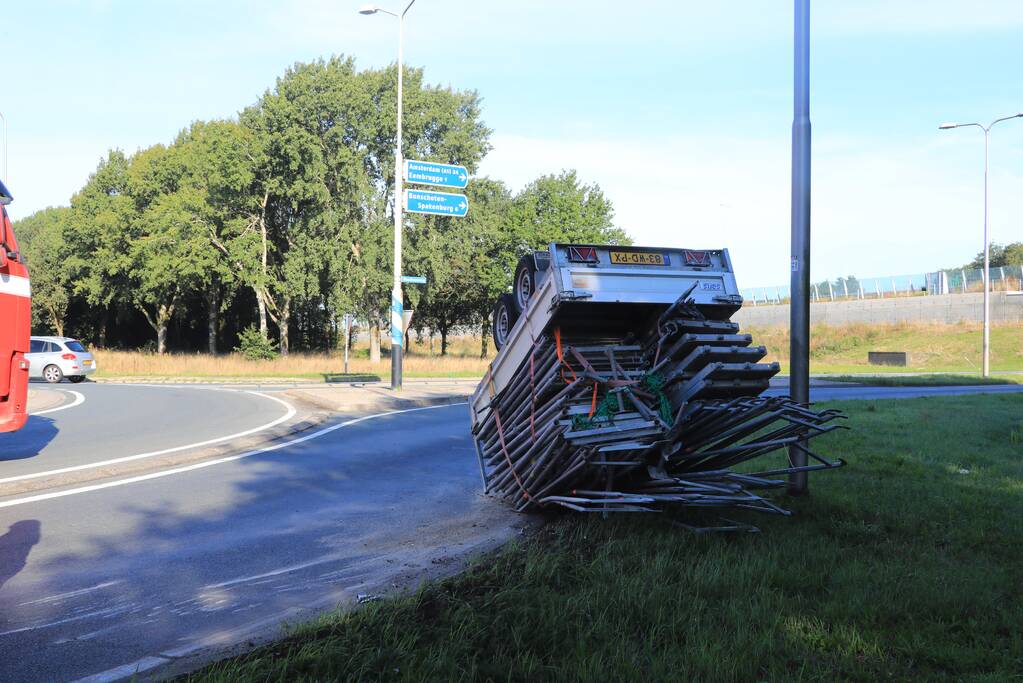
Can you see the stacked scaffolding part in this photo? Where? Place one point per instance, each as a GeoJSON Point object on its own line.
{"type": "Point", "coordinates": [645, 421]}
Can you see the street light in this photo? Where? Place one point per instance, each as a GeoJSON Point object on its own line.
{"type": "Point", "coordinates": [397, 300]}
{"type": "Point", "coordinates": [986, 364]}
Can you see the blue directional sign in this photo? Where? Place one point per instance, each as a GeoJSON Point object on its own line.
{"type": "Point", "coordinates": [436, 203]}
{"type": "Point", "coordinates": [430, 173]}
{"type": "Point", "coordinates": [414, 279]}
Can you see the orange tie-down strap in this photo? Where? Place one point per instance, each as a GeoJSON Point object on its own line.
{"type": "Point", "coordinates": [561, 357]}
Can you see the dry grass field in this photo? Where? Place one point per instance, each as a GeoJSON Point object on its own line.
{"type": "Point", "coordinates": [834, 350]}
{"type": "Point", "coordinates": [462, 361]}
{"type": "Point", "coordinates": [932, 347]}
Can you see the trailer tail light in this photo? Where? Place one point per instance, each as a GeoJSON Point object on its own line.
{"type": "Point", "coordinates": [583, 254]}
{"type": "Point", "coordinates": [69, 356]}
{"type": "Point", "coordinates": [696, 258]}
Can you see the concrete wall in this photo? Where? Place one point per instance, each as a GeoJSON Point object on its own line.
{"type": "Point", "coordinates": [947, 308]}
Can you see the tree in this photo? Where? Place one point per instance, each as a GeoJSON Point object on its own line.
{"type": "Point", "coordinates": [1000, 255]}
{"type": "Point", "coordinates": [559, 208]}
{"type": "Point", "coordinates": [41, 237]}
{"type": "Point", "coordinates": [98, 230]}
{"type": "Point", "coordinates": [222, 158]}
{"type": "Point", "coordinates": [169, 254]}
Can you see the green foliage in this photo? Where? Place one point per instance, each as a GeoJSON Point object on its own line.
{"type": "Point", "coordinates": [1000, 255]}
{"type": "Point", "coordinates": [254, 346]}
{"type": "Point", "coordinates": [559, 208]}
{"type": "Point", "coordinates": [284, 218]}
{"type": "Point", "coordinates": [41, 238]}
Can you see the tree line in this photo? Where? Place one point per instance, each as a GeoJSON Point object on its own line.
{"type": "Point", "coordinates": [281, 219]}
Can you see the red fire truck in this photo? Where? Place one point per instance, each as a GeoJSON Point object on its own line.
{"type": "Point", "coordinates": [15, 319]}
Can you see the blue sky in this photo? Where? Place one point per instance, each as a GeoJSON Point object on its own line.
{"type": "Point", "coordinates": [681, 111]}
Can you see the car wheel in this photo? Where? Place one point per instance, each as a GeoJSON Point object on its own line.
{"type": "Point", "coordinates": [504, 319]}
{"type": "Point", "coordinates": [52, 374]}
{"type": "Point", "coordinates": [524, 282]}
{"type": "Point", "coordinates": [75, 379]}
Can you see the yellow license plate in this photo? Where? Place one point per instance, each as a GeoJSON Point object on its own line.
{"type": "Point", "coordinates": [639, 258]}
{"type": "Point", "coordinates": [88, 362]}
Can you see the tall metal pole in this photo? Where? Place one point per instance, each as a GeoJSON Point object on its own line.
{"type": "Point", "coordinates": [397, 298]}
{"type": "Point", "coordinates": [986, 355]}
{"type": "Point", "coordinates": [799, 309]}
{"type": "Point", "coordinates": [985, 361]}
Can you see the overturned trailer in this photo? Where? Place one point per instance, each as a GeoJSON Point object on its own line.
{"type": "Point", "coordinates": [620, 384]}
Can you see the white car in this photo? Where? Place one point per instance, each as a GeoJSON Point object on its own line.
{"type": "Point", "coordinates": [54, 358]}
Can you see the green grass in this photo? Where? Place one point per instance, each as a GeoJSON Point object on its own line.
{"type": "Point", "coordinates": [936, 380]}
{"type": "Point", "coordinates": [907, 565]}
{"type": "Point", "coordinates": [932, 347]}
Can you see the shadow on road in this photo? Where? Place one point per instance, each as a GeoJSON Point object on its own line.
{"type": "Point", "coordinates": [15, 546]}
{"type": "Point", "coordinates": [196, 557]}
{"type": "Point", "coordinates": [28, 441]}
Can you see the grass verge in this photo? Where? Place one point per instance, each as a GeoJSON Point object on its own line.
{"type": "Point", "coordinates": [903, 566]}
{"type": "Point", "coordinates": [835, 350]}
{"type": "Point", "coordinates": [937, 380]}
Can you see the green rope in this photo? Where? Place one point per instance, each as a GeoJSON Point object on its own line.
{"type": "Point", "coordinates": [605, 412]}
{"type": "Point", "coordinates": [654, 383]}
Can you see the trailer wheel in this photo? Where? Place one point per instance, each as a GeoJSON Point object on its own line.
{"type": "Point", "coordinates": [505, 316]}
{"type": "Point", "coordinates": [524, 282]}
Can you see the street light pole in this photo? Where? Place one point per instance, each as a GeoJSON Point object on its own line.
{"type": "Point", "coordinates": [397, 298]}
{"type": "Point", "coordinates": [799, 304]}
{"type": "Point", "coordinates": [986, 359]}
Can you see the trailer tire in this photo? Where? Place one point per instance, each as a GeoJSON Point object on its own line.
{"type": "Point", "coordinates": [504, 319]}
{"type": "Point", "coordinates": [524, 283]}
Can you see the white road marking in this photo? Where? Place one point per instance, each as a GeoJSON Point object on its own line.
{"type": "Point", "coordinates": [126, 671]}
{"type": "Point", "coordinates": [210, 463]}
{"type": "Point", "coordinates": [79, 400]}
{"type": "Point", "coordinates": [152, 454]}
{"type": "Point", "coordinates": [70, 594]}
{"type": "Point", "coordinates": [107, 612]}
{"type": "Point", "coordinates": [276, 572]}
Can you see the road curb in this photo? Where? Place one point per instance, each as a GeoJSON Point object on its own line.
{"type": "Point", "coordinates": [45, 399]}
{"type": "Point", "coordinates": [374, 402]}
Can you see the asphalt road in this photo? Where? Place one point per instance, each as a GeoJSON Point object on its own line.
{"type": "Point", "coordinates": [118, 420]}
{"type": "Point", "coordinates": [172, 564]}
{"type": "Point", "coordinates": [151, 569]}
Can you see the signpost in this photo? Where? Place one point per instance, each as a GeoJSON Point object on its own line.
{"type": "Point", "coordinates": [413, 279]}
{"type": "Point", "coordinates": [431, 173]}
{"type": "Point", "coordinates": [436, 203]}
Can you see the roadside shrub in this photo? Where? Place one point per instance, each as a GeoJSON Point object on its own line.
{"type": "Point", "coordinates": [253, 346]}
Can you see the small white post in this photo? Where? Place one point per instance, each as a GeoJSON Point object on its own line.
{"type": "Point", "coordinates": [348, 333]}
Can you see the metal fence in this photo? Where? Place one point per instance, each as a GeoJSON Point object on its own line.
{"type": "Point", "coordinates": [961, 281]}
